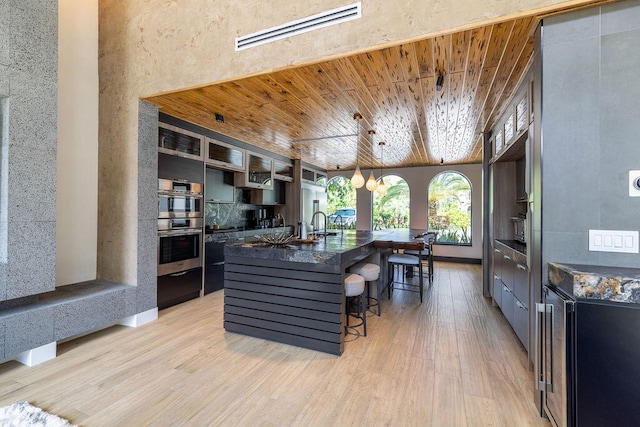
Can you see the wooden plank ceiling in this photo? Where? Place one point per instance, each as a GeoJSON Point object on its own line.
{"type": "Point", "coordinates": [394, 89]}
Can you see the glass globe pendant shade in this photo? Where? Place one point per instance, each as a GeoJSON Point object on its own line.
{"type": "Point", "coordinates": [372, 184]}
{"type": "Point", "coordinates": [357, 180]}
{"type": "Point", "coordinates": [382, 189]}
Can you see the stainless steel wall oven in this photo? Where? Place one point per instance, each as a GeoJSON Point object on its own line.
{"type": "Point", "coordinates": [180, 234]}
{"type": "Point", "coordinates": [179, 245]}
{"type": "Point", "coordinates": [179, 199]}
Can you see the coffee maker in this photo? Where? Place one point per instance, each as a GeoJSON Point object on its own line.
{"type": "Point", "coordinates": [258, 218]}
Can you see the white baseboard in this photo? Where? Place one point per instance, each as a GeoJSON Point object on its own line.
{"type": "Point", "coordinates": [140, 318]}
{"type": "Point", "coordinates": [38, 355]}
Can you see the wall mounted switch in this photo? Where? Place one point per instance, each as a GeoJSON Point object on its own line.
{"type": "Point", "coordinates": [613, 241]}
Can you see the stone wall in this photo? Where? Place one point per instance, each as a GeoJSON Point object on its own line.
{"type": "Point", "coordinates": [28, 87]}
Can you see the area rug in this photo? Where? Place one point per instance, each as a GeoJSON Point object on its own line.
{"type": "Point", "coordinates": [22, 414]}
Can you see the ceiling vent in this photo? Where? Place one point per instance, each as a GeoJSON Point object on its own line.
{"type": "Point", "coordinates": [324, 19]}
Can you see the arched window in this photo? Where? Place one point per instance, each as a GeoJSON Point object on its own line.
{"type": "Point", "coordinates": [449, 208]}
{"type": "Point", "coordinates": [391, 210]}
{"type": "Point", "coordinates": [341, 203]}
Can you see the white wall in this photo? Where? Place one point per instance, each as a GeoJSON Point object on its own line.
{"type": "Point", "coordinates": [418, 179]}
{"type": "Point", "coordinates": [77, 161]}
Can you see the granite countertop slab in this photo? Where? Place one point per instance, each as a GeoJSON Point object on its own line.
{"type": "Point", "coordinates": [329, 250]}
{"type": "Point", "coordinates": [616, 284]}
{"type": "Point", "coordinates": [232, 234]}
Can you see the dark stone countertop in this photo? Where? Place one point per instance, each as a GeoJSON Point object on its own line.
{"type": "Point", "coordinates": [239, 234]}
{"type": "Point", "coordinates": [616, 284]}
{"type": "Point", "coordinates": [332, 250]}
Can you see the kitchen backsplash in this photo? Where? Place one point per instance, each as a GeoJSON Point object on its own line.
{"type": "Point", "coordinates": [229, 215]}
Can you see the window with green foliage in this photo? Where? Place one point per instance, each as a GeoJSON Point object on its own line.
{"type": "Point", "coordinates": [449, 208]}
{"type": "Point", "coordinates": [391, 210]}
{"type": "Point", "coordinates": [341, 202]}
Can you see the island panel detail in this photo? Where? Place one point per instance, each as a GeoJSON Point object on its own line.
{"type": "Point", "coordinates": [295, 303]}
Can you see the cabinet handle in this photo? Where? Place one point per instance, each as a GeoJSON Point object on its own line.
{"type": "Point", "coordinates": [507, 257]}
{"type": "Point", "coordinates": [519, 304]}
{"type": "Point", "coordinates": [522, 267]}
{"type": "Point", "coordinates": [496, 250]}
{"type": "Point", "coordinates": [506, 288]}
{"type": "Point", "coordinates": [537, 372]}
{"type": "Point", "coordinates": [179, 274]}
{"type": "Point", "coordinates": [219, 263]}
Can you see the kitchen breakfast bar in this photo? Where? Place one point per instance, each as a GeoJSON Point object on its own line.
{"type": "Point", "coordinates": [294, 294]}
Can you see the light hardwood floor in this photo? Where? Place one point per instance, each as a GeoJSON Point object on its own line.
{"type": "Point", "coordinates": [451, 361]}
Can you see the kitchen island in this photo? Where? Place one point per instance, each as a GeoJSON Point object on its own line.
{"type": "Point", "coordinates": [294, 294]}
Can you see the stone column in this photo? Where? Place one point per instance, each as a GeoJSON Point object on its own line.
{"type": "Point", "coordinates": [28, 94]}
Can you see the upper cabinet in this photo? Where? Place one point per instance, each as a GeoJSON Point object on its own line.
{"type": "Point", "coordinates": [180, 142]}
{"type": "Point", "coordinates": [223, 155]}
{"type": "Point", "coordinates": [258, 173]}
{"type": "Point", "coordinates": [509, 134]}
{"type": "Point", "coordinates": [522, 113]}
{"type": "Point", "coordinates": [219, 186]}
{"type": "Point", "coordinates": [314, 176]}
{"type": "Point", "coordinates": [283, 170]}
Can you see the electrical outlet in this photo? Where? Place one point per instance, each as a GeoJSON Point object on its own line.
{"type": "Point", "coordinates": [634, 183]}
{"type": "Point", "coordinates": [613, 241]}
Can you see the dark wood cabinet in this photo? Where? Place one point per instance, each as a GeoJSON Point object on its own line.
{"type": "Point", "coordinates": [214, 266]}
{"type": "Point", "coordinates": [179, 287]}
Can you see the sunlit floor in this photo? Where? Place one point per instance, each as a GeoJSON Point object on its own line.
{"type": "Point", "coordinates": [452, 360]}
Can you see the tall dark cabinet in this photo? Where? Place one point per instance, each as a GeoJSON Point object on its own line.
{"type": "Point", "coordinates": [508, 165]}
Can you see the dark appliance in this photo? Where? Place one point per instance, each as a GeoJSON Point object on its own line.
{"type": "Point", "coordinates": [258, 218]}
{"type": "Point", "coordinates": [558, 361]}
{"type": "Point", "coordinates": [214, 266]}
{"type": "Point", "coordinates": [180, 223]}
{"type": "Point", "coordinates": [590, 352]}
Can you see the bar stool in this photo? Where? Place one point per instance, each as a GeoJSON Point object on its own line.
{"type": "Point", "coordinates": [426, 253]}
{"type": "Point", "coordinates": [406, 260]}
{"type": "Point", "coordinates": [354, 288]}
{"type": "Point", "coordinates": [370, 272]}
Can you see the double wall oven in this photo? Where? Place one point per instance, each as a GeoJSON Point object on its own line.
{"type": "Point", "coordinates": [180, 226]}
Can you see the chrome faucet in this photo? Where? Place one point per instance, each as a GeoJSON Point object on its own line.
{"type": "Point", "coordinates": [341, 224]}
{"type": "Point", "coordinates": [325, 222]}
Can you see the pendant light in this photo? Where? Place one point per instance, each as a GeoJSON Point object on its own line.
{"type": "Point", "coordinates": [357, 180]}
{"type": "Point", "coordinates": [372, 184]}
{"type": "Point", "coordinates": [382, 189]}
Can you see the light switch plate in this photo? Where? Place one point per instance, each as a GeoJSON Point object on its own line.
{"type": "Point", "coordinates": [634, 183]}
{"type": "Point", "coordinates": [613, 241]}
